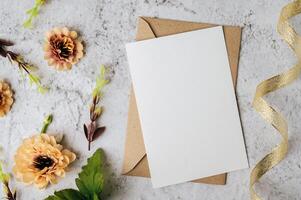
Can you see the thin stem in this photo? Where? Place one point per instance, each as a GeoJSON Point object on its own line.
{"type": "Point", "coordinates": [9, 194]}
{"type": "Point", "coordinates": [46, 123]}
{"type": "Point", "coordinates": [25, 69]}
{"type": "Point", "coordinates": [15, 58]}
{"type": "Point", "coordinates": [95, 110]}
{"type": "Point", "coordinates": [4, 179]}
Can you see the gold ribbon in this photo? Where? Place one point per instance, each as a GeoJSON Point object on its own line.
{"type": "Point", "coordinates": [266, 111]}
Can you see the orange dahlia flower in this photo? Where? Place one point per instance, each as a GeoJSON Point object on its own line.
{"type": "Point", "coordinates": [62, 48]}
{"type": "Point", "coordinates": [40, 160]}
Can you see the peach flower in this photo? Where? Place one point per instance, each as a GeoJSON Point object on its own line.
{"type": "Point", "coordinates": [6, 98]}
{"type": "Point", "coordinates": [62, 48]}
{"type": "Point", "coordinates": [40, 160]}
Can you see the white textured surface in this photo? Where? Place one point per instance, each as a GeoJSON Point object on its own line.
{"type": "Point", "coordinates": [105, 26]}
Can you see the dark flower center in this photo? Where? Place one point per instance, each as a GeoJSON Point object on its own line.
{"type": "Point", "coordinates": [41, 162]}
{"type": "Point", "coordinates": [1, 99]}
{"type": "Point", "coordinates": [63, 47]}
{"type": "Point", "coordinates": [63, 50]}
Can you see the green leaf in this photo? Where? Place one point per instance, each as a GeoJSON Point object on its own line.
{"type": "Point", "coordinates": [29, 11]}
{"type": "Point", "coordinates": [33, 13]}
{"type": "Point", "coordinates": [47, 121]}
{"type": "Point", "coordinates": [101, 81]}
{"type": "Point", "coordinates": [95, 197]}
{"type": "Point", "coordinates": [67, 194]}
{"type": "Point", "coordinates": [91, 181]}
{"type": "Point", "coordinates": [31, 68]}
{"type": "Point", "coordinates": [33, 79]}
{"type": "Point", "coordinates": [42, 89]}
{"type": "Point", "coordinates": [28, 23]}
{"type": "Point", "coordinates": [52, 198]}
{"type": "Point", "coordinates": [37, 81]}
{"type": "Point", "coordinates": [3, 176]}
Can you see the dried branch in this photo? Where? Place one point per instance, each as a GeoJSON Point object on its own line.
{"type": "Point", "coordinates": [92, 131]}
{"type": "Point", "coordinates": [23, 66]}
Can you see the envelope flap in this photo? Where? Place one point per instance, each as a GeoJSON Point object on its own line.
{"type": "Point", "coordinates": [134, 146]}
{"type": "Point", "coordinates": [144, 30]}
{"type": "Point", "coordinates": [165, 27]}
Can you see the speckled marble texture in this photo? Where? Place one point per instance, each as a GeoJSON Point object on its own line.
{"type": "Point", "coordinates": [105, 26]}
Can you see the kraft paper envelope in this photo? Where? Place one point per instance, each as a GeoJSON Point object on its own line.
{"type": "Point", "coordinates": [135, 159]}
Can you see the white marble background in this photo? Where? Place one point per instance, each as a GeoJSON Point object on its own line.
{"type": "Point", "coordinates": [105, 26]}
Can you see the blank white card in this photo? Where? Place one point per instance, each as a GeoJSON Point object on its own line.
{"type": "Point", "coordinates": [187, 106]}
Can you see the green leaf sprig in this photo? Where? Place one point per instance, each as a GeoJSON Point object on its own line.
{"type": "Point", "coordinates": [22, 65]}
{"type": "Point", "coordinates": [90, 181]}
{"type": "Point", "coordinates": [4, 179]}
{"type": "Point", "coordinates": [92, 132]}
{"type": "Point", "coordinates": [46, 123]}
{"type": "Point", "coordinates": [33, 13]}
{"type": "Point", "coordinates": [101, 81]}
